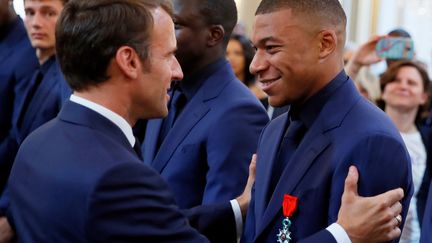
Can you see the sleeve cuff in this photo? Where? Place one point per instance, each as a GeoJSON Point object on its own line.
{"type": "Point", "coordinates": [238, 218]}
{"type": "Point", "coordinates": [338, 233]}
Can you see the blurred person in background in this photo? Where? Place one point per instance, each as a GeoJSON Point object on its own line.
{"type": "Point", "coordinates": [404, 94]}
{"type": "Point", "coordinates": [15, 51]}
{"type": "Point", "coordinates": [240, 54]}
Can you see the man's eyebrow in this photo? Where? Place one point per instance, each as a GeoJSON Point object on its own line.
{"type": "Point", "coordinates": [264, 40]}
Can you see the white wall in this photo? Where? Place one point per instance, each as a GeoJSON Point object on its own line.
{"type": "Point", "coordinates": [19, 7]}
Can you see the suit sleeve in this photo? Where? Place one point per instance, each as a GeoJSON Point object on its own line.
{"type": "Point", "coordinates": [216, 222]}
{"type": "Point", "coordinates": [131, 203]}
{"type": "Point", "coordinates": [232, 141]}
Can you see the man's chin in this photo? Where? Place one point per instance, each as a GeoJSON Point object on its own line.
{"type": "Point", "coordinates": [277, 102]}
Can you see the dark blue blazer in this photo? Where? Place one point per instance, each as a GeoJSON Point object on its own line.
{"type": "Point", "coordinates": [426, 227]}
{"type": "Point", "coordinates": [348, 131]}
{"type": "Point", "coordinates": [77, 179]}
{"type": "Point", "coordinates": [44, 106]}
{"type": "Point", "coordinates": [205, 156]}
{"type": "Point", "coordinates": [16, 55]}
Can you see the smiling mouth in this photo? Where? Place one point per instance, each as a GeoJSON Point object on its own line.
{"type": "Point", "coordinates": [268, 82]}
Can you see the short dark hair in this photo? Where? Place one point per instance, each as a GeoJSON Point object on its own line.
{"type": "Point", "coordinates": [63, 1]}
{"type": "Point", "coordinates": [223, 12]}
{"type": "Point", "coordinates": [89, 33]}
{"type": "Point", "coordinates": [330, 10]}
{"type": "Point", "coordinates": [390, 74]}
{"type": "Point", "coordinates": [248, 54]}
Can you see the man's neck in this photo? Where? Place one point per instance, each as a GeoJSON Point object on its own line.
{"type": "Point", "coordinates": [44, 54]}
{"type": "Point", "coordinates": [104, 98]}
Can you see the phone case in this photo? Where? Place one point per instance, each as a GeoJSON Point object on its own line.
{"type": "Point", "coordinates": [395, 48]}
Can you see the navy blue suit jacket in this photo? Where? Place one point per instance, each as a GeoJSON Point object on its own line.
{"type": "Point", "coordinates": [44, 106]}
{"type": "Point", "coordinates": [77, 179]}
{"type": "Point", "coordinates": [348, 131]}
{"type": "Point", "coordinates": [16, 56]}
{"type": "Point", "coordinates": [426, 227]}
{"type": "Point", "coordinates": [206, 154]}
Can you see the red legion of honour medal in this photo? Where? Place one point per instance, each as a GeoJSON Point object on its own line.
{"type": "Point", "coordinates": [289, 206]}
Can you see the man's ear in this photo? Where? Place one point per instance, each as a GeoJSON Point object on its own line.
{"type": "Point", "coordinates": [216, 35]}
{"type": "Point", "coordinates": [328, 42]}
{"type": "Point", "coordinates": [128, 62]}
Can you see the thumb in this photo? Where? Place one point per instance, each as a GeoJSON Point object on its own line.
{"type": "Point", "coordinates": [351, 182]}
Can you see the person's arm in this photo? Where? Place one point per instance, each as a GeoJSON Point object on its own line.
{"type": "Point", "coordinates": [365, 55]}
{"type": "Point", "coordinates": [363, 219]}
{"type": "Point", "coordinates": [132, 203]}
{"type": "Point", "coordinates": [223, 222]}
{"type": "Point", "coordinates": [369, 219]}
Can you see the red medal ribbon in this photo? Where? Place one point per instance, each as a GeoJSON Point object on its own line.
{"type": "Point", "coordinates": [289, 205]}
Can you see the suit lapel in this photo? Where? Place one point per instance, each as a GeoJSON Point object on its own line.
{"type": "Point", "coordinates": [40, 96]}
{"type": "Point", "coordinates": [269, 150]}
{"type": "Point", "coordinates": [151, 140]}
{"type": "Point", "coordinates": [194, 111]}
{"type": "Point", "coordinates": [312, 144]}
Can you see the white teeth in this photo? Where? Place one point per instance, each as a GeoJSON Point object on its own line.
{"type": "Point", "coordinates": [267, 84]}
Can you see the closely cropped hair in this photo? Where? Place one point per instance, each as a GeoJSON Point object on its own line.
{"type": "Point", "coordinates": [330, 10]}
{"type": "Point", "coordinates": [248, 53]}
{"type": "Point", "coordinates": [89, 33]}
{"type": "Point", "coordinates": [223, 12]}
{"type": "Point", "coordinates": [390, 74]}
{"type": "Point", "coordinates": [63, 1]}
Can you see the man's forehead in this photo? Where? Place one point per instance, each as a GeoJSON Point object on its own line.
{"type": "Point", "coordinates": [269, 26]}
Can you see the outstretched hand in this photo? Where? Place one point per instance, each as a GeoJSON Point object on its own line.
{"type": "Point", "coordinates": [369, 219]}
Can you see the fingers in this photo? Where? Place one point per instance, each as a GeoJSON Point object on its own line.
{"type": "Point", "coordinates": [351, 182]}
{"type": "Point", "coordinates": [396, 209]}
{"type": "Point", "coordinates": [392, 234]}
{"type": "Point", "coordinates": [252, 170]}
{"type": "Point", "coordinates": [391, 197]}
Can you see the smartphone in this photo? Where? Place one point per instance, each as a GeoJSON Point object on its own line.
{"type": "Point", "coordinates": [395, 48]}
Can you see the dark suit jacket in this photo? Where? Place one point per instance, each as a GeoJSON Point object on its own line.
{"type": "Point", "coordinates": [348, 131]}
{"type": "Point", "coordinates": [44, 106]}
{"type": "Point", "coordinates": [424, 196]}
{"type": "Point", "coordinates": [426, 228]}
{"type": "Point", "coordinates": [16, 55]}
{"type": "Point", "coordinates": [205, 156]}
{"type": "Point", "coordinates": [77, 179]}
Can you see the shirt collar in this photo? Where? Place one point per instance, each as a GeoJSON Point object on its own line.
{"type": "Point", "coordinates": [309, 111]}
{"type": "Point", "coordinates": [108, 114]}
{"type": "Point", "coordinates": [190, 85]}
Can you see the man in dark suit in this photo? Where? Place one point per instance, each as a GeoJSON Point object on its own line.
{"type": "Point", "coordinates": [15, 50]}
{"type": "Point", "coordinates": [43, 92]}
{"type": "Point", "coordinates": [306, 153]}
{"type": "Point", "coordinates": [16, 53]}
{"type": "Point", "coordinates": [88, 183]}
{"type": "Point", "coordinates": [203, 148]}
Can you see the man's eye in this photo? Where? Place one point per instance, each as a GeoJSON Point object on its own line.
{"type": "Point", "coordinates": [271, 48]}
{"type": "Point", "coordinates": [177, 26]}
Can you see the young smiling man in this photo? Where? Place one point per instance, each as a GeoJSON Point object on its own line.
{"type": "Point", "coordinates": [307, 152]}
